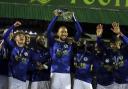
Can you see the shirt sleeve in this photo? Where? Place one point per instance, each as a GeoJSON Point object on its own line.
{"type": "Point", "coordinates": [49, 31]}
{"type": "Point", "coordinates": [6, 37]}
{"type": "Point", "coordinates": [78, 30]}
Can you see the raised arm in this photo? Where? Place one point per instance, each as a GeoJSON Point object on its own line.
{"type": "Point", "coordinates": [125, 38]}
{"type": "Point", "coordinates": [8, 32]}
{"type": "Point", "coordinates": [116, 29]}
{"type": "Point", "coordinates": [99, 32]}
{"type": "Point", "coordinates": [49, 33]}
{"type": "Point", "coordinates": [78, 28]}
{"type": "Point", "coordinates": [49, 30]}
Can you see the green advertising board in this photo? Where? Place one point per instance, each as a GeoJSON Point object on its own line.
{"type": "Point", "coordinates": [91, 11]}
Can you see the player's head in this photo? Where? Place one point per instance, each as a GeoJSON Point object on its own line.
{"type": "Point", "coordinates": [81, 44]}
{"type": "Point", "coordinates": [115, 43]}
{"type": "Point", "coordinates": [62, 33]}
{"type": "Point", "coordinates": [19, 38]}
{"type": "Point", "coordinates": [40, 40]}
{"type": "Point", "coordinates": [28, 39]}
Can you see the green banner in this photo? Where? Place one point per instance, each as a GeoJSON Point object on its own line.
{"type": "Point", "coordinates": [92, 11]}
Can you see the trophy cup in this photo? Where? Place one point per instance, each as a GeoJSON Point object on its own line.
{"type": "Point", "coordinates": [67, 15]}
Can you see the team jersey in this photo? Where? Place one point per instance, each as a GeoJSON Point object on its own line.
{"type": "Point", "coordinates": [61, 52]}
{"type": "Point", "coordinates": [84, 62]}
{"type": "Point", "coordinates": [19, 63]}
{"type": "Point", "coordinates": [118, 61]}
{"type": "Point", "coordinates": [41, 56]}
{"type": "Point", "coordinates": [104, 72]}
{"type": "Point", "coordinates": [121, 62]}
{"type": "Point", "coordinates": [9, 42]}
{"type": "Point", "coordinates": [18, 58]}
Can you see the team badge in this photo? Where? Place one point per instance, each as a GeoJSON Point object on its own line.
{"type": "Point", "coordinates": [65, 52]}
{"type": "Point", "coordinates": [65, 46]}
{"type": "Point", "coordinates": [24, 60]}
{"type": "Point", "coordinates": [85, 59]}
{"type": "Point", "coordinates": [59, 53]}
{"type": "Point", "coordinates": [107, 60]}
{"type": "Point", "coordinates": [25, 54]}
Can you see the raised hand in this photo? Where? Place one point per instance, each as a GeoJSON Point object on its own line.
{"type": "Point", "coordinates": [58, 12]}
{"type": "Point", "coordinates": [17, 24]}
{"type": "Point", "coordinates": [99, 30]}
{"type": "Point", "coordinates": [116, 28]}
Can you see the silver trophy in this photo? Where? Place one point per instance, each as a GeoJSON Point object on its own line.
{"type": "Point", "coordinates": [58, 12]}
{"type": "Point", "coordinates": [67, 15]}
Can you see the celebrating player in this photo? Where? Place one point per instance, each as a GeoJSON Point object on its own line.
{"type": "Point", "coordinates": [40, 60]}
{"type": "Point", "coordinates": [61, 52]}
{"type": "Point", "coordinates": [83, 61]}
{"type": "Point", "coordinates": [18, 63]}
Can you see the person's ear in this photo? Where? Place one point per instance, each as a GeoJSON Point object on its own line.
{"type": "Point", "coordinates": [15, 38]}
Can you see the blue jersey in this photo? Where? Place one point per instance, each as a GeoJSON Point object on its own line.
{"type": "Point", "coordinates": [41, 56]}
{"type": "Point", "coordinates": [105, 73]}
{"type": "Point", "coordinates": [84, 62]}
{"type": "Point", "coordinates": [61, 52]}
{"type": "Point", "coordinates": [120, 58]}
{"type": "Point", "coordinates": [19, 63]}
{"type": "Point", "coordinates": [118, 64]}
{"type": "Point", "coordinates": [18, 58]}
{"type": "Point", "coordinates": [9, 42]}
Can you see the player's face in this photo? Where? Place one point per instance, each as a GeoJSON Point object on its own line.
{"type": "Point", "coordinates": [81, 44]}
{"type": "Point", "coordinates": [115, 45]}
{"type": "Point", "coordinates": [41, 40]}
{"type": "Point", "coordinates": [28, 39]}
{"type": "Point", "coordinates": [63, 33]}
{"type": "Point", "coordinates": [118, 44]}
{"type": "Point", "coordinates": [20, 40]}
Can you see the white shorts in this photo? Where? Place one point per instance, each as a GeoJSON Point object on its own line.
{"type": "Point", "coordinates": [3, 82]}
{"type": "Point", "coordinates": [40, 85]}
{"type": "Point", "coordinates": [60, 81]}
{"type": "Point", "coordinates": [120, 86]}
{"type": "Point", "coordinates": [105, 87]}
{"type": "Point", "coordinates": [17, 84]}
{"type": "Point", "coordinates": [78, 84]}
{"type": "Point", "coordinates": [113, 86]}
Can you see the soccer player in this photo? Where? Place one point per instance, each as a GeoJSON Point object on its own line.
{"type": "Point", "coordinates": [84, 62]}
{"type": "Point", "coordinates": [118, 59]}
{"type": "Point", "coordinates": [18, 63]}
{"type": "Point", "coordinates": [105, 73]}
{"type": "Point", "coordinates": [40, 61]}
{"type": "Point", "coordinates": [61, 52]}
